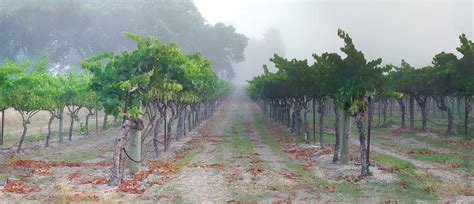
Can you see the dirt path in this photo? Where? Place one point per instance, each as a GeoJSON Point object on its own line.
{"type": "Point", "coordinates": [195, 184]}
{"type": "Point", "coordinates": [250, 169]}
{"type": "Point", "coordinates": [277, 174]}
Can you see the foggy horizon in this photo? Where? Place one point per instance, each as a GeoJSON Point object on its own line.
{"type": "Point", "coordinates": [392, 30]}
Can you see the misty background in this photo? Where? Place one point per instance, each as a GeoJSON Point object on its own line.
{"type": "Point", "coordinates": [393, 30]}
{"type": "Point", "coordinates": [238, 36]}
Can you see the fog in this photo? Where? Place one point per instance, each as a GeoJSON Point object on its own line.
{"type": "Point", "coordinates": [392, 30]}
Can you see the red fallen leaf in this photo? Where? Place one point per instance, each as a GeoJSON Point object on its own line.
{"type": "Point", "coordinates": [131, 187]}
{"type": "Point", "coordinates": [103, 163]}
{"type": "Point", "coordinates": [163, 166]}
{"type": "Point", "coordinates": [327, 151]}
{"type": "Point", "coordinates": [291, 151]}
{"type": "Point", "coordinates": [249, 131]}
{"type": "Point", "coordinates": [331, 188]}
{"type": "Point", "coordinates": [181, 154]}
{"type": "Point", "coordinates": [240, 202]}
{"type": "Point", "coordinates": [290, 175]}
{"type": "Point", "coordinates": [255, 160]}
{"type": "Point", "coordinates": [100, 180]}
{"type": "Point", "coordinates": [404, 185]}
{"type": "Point", "coordinates": [453, 166]}
{"type": "Point", "coordinates": [159, 182]}
{"type": "Point", "coordinates": [386, 169]}
{"type": "Point", "coordinates": [16, 186]}
{"type": "Point", "coordinates": [214, 139]}
{"type": "Point", "coordinates": [216, 166]}
{"type": "Point", "coordinates": [74, 175]}
{"type": "Point", "coordinates": [46, 173]}
{"type": "Point", "coordinates": [142, 175]}
{"type": "Point", "coordinates": [356, 159]}
{"type": "Point", "coordinates": [281, 202]}
{"type": "Point", "coordinates": [255, 170]}
{"type": "Point", "coordinates": [67, 164]}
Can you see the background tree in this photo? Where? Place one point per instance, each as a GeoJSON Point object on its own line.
{"type": "Point", "coordinates": [71, 30]}
{"type": "Point", "coordinates": [8, 71]}
{"type": "Point", "coordinates": [464, 76]}
{"type": "Point", "coordinates": [25, 93]}
{"type": "Point", "coordinates": [360, 78]}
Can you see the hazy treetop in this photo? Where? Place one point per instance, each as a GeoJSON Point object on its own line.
{"type": "Point", "coordinates": [391, 29]}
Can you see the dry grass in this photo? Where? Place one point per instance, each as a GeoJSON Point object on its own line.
{"type": "Point", "coordinates": [37, 129]}
{"type": "Point", "coordinates": [39, 122]}
{"type": "Point", "coordinates": [452, 188]}
{"type": "Point", "coordinates": [66, 194]}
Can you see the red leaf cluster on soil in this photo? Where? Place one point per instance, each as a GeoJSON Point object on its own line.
{"type": "Point", "coordinates": [100, 180]}
{"type": "Point", "coordinates": [16, 186]}
{"type": "Point", "coordinates": [131, 187]}
{"type": "Point", "coordinates": [36, 166]}
{"type": "Point", "coordinates": [44, 166]}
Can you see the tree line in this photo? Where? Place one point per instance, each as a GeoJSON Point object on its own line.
{"type": "Point", "coordinates": [350, 83]}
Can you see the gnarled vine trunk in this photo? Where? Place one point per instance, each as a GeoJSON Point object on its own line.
{"type": "Point", "coordinates": [23, 134]}
{"type": "Point", "coordinates": [362, 149]}
{"type": "Point", "coordinates": [411, 106]}
{"type": "Point", "coordinates": [345, 145]}
{"type": "Point", "coordinates": [321, 123]}
{"type": "Point", "coordinates": [50, 121]}
{"type": "Point", "coordinates": [421, 100]}
{"type": "Point", "coordinates": [336, 134]}
{"type": "Point", "coordinates": [61, 125]}
{"type": "Point", "coordinates": [441, 103]}
{"type": "Point", "coordinates": [401, 103]}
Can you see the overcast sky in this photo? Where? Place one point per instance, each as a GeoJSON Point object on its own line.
{"type": "Point", "coordinates": [393, 30]}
